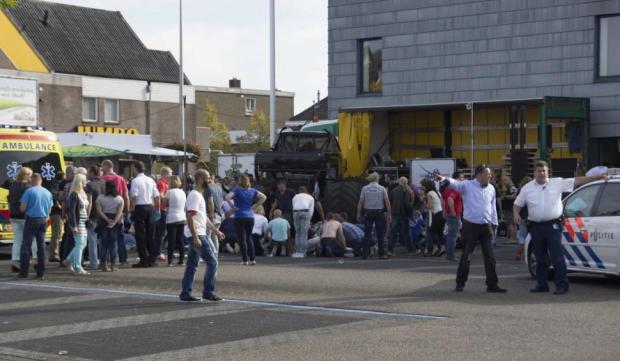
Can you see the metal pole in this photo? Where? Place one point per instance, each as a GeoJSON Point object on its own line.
{"type": "Point", "coordinates": [181, 83]}
{"type": "Point", "coordinates": [470, 106]}
{"type": "Point", "coordinates": [272, 72]}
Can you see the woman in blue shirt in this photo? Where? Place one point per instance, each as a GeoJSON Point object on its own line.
{"type": "Point", "coordinates": [244, 196]}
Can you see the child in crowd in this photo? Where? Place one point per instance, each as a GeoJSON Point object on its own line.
{"type": "Point", "coordinates": [417, 232]}
{"type": "Point", "coordinates": [279, 231]}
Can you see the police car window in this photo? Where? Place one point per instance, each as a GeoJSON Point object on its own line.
{"type": "Point", "coordinates": [610, 201]}
{"type": "Point", "coordinates": [581, 202]}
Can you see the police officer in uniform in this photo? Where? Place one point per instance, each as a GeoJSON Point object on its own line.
{"type": "Point", "coordinates": [543, 198]}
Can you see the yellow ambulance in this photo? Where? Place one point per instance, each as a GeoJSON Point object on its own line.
{"type": "Point", "coordinates": [25, 147]}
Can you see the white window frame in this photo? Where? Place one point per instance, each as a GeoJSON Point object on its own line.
{"type": "Point", "coordinates": [86, 120]}
{"type": "Point", "coordinates": [118, 112]}
{"type": "Point", "coordinates": [250, 110]}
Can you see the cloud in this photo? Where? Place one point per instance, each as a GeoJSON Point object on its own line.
{"type": "Point", "coordinates": [226, 38]}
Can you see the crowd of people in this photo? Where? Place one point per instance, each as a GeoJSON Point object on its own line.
{"type": "Point", "coordinates": [195, 217]}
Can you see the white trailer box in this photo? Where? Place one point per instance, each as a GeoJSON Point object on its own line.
{"type": "Point", "coordinates": [243, 162]}
{"type": "Point", "coordinates": [425, 168]}
{"type": "Point", "coordinates": [19, 101]}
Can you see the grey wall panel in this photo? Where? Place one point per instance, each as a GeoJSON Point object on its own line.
{"type": "Point", "coordinates": [459, 50]}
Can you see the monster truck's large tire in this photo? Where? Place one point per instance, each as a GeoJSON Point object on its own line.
{"type": "Point", "coordinates": [342, 196]}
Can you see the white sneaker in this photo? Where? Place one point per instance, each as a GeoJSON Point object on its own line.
{"type": "Point", "coordinates": [81, 271]}
{"type": "Point", "coordinates": [298, 255]}
{"type": "Point", "coordinates": [229, 249]}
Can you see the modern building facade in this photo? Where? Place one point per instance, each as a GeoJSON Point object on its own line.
{"type": "Point", "coordinates": [541, 77]}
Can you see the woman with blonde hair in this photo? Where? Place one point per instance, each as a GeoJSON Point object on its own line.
{"type": "Point", "coordinates": [77, 214]}
{"type": "Point", "coordinates": [18, 218]}
{"type": "Point", "coordinates": [244, 196]}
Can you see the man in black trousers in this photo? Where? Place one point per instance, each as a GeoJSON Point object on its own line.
{"type": "Point", "coordinates": [480, 215]}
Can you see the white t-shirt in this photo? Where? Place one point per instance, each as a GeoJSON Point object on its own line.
{"type": "Point", "coordinates": [260, 224]}
{"type": "Point", "coordinates": [303, 201]}
{"type": "Point", "coordinates": [436, 205]}
{"type": "Point", "coordinates": [544, 201]}
{"type": "Point", "coordinates": [196, 202]}
{"type": "Point", "coordinates": [144, 189]}
{"type": "Point", "coordinates": [176, 205]}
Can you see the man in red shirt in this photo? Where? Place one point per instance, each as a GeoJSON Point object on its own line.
{"type": "Point", "coordinates": [107, 168]}
{"type": "Point", "coordinates": [160, 227]}
{"type": "Point", "coordinates": [453, 210]}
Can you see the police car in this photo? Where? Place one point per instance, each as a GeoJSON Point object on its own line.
{"type": "Point", "coordinates": [591, 234]}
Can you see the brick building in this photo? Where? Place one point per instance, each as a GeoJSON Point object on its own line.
{"type": "Point", "coordinates": [92, 70]}
{"type": "Point", "coordinates": [235, 105]}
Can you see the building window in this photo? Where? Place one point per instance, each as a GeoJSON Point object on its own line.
{"type": "Point", "coordinates": [250, 105]}
{"type": "Point", "coordinates": [609, 47]}
{"type": "Point", "coordinates": [89, 110]}
{"type": "Point", "coordinates": [111, 111]}
{"type": "Point", "coordinates": [370, 66]}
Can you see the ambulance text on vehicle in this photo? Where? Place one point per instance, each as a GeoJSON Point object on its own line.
{"type": "Point", "coordinates": [25, 147]}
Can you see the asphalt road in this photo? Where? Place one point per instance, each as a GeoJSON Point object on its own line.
{"type": "Point", "coordinates": [309, 309]}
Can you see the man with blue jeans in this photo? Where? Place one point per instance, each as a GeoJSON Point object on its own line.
{"type": "Point", "coordinates": [200, 247]}
{"type": "Point", "coordinates": [36, 203]}
{"type": "Point", "coordinates": [373, 199]}
{"type": "Point", "coordinates": [543, 198]}
{"type": "Point", "coordinates": [303, 208]}
{"type": "Point", "coordinates": [453, 208]}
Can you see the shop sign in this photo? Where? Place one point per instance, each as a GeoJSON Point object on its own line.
{"type": "Point", "coordinates": [106, 130]}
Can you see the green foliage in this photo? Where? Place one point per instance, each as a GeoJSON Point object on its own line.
{"type": "Point", "coordinates": [234, 171]}
{"type": "Point", "coordinates": [219, 139]}
{"type": "Point", "coordinates": [190, 148]}
{"type": "Point", "coordinates": [257, 131]}
{"type": "Point", "coordinates": [8, 3]}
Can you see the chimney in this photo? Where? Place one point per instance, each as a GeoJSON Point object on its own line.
{"type": "Point", "coordinates": [234, 83]}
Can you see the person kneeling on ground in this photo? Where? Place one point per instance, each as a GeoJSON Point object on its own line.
{"type": "Point", "coordinates": [333, 243]}
{"type": "Point", "coordinates": [279, 231]}
{"type": "Point", "coordinates": [353, 234]}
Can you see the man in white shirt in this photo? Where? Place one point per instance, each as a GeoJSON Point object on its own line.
{"type": "Point", "coordinates": [144, 212]}
{"type": "Point", "coordinates": [543, 198]}
{"type": "Point", "coordinates": [200, 247]}
{"type": "Point", "coordinates": [303, 208]}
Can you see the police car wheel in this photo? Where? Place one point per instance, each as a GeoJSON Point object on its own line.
{"type": "Point", "coordinates": [531, 261]}
{"type": "Point", "coordinates": [531, 264]}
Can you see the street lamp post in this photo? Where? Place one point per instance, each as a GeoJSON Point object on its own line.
{"type": "Point", "coordinates": [272, 68]}
{"type": "Point", "coordinates": [181, 83]}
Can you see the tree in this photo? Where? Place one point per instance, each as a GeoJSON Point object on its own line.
{"type": "Point", "coordinates": [8, 3]}
{"type": "Point", "coordinates": [257, 131]}
{"type": "Point", "coordinates": [219, 139]}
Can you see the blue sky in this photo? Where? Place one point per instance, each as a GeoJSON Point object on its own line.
{"type": "Point", "coordinates": [226, 38]}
